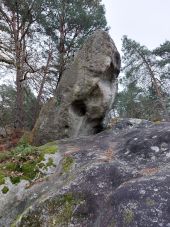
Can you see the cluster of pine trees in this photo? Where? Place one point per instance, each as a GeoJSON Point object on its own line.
{"type": "Point", "coordinates": [146, 82]}
{"type": "Point", "coordinates": [38, 38]}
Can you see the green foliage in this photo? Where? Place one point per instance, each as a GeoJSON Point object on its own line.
{"type": "Point", "coordinates": [68, 24]}
{"type": "Point", "coordinates": [62, 27]}
{"type": "Point", "coordinates": [4, 156]}
{"type": "Point", "coordinates": [16, 54]}
{"type": "Point", "coordinates": [5, 189]}
{"type": "Point", "coordinates": [50, 163]}
{"type": "Point", "coordinates": [25, 162]}
{"type": "Point", "coordinates": [30, 170]}
{"type": "Point", "coordinates": [80, 18]}
{"type": "Point", "coordinates": [67, 163]}
{"type": "Point", "coordinates": [163, 51]}
{"type": "Point", "coordinates": [145, 83]}
{"type": "Point", "coordinates": [24, 140]}
{"type": "Point", "coordinates": [15, 180]}
{"type": "Point", "coordinates": [2, 178]}
{"type": "Point", "coordinates": [66, 204]}
{"type": "Point", "coordinates": [49, 148]}
{"type": "Point", "coordinates": [137, 61]}
{"type": "Point", "coordinates": [7, 106]}
{"type": "Point", "coordinates": [128, 103]}
{"type": "Point", "coordinates": [134, 102]}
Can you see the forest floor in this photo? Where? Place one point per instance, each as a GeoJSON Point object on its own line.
{"type": "Point", "coordinates": [10, 141]}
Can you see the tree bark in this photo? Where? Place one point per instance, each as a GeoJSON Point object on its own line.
{"type": "Point", "coordinates": [19, 121]}
{"type": "Point", "coordinates": [39, 96]}
{"type": "Point", "coordinates": [19, 51]}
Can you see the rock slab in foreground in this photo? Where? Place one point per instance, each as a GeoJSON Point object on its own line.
{"type": "Point", "coordinates": [85, 93]}
{"type": "Point", "coordinates": [109, 180]}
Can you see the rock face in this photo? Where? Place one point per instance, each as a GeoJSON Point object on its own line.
{"type": "Point", "coordinates": [108, 179]}
{"type": "Point", "coordinates": [85, 93]}
{"type": "Point", "coordinates": [118, 124]}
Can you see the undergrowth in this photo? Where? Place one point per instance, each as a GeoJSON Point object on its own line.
{"type": "Point", "coordinates": [24, 162]}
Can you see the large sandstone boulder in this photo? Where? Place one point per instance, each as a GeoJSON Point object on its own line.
{"type": "Point", "coordinates": [104, 180]}
{"type": "Point", "coordinates": [85, 94]}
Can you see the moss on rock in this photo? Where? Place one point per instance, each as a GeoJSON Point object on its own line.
{"type": "Point", "coordinates": [49, 148]}
{"type": "Point", "coordinates": [67, 163]}
{"type": "Point", "coordinates": [60, 212]}
{"type": "Point", "coordinates": [2, 178]}
{"type": "Point", "coordinates": [25, 162]}
{"type": "Point", "coordinates": [66, 203]}
{"type": "Point", "coordinates": [5, 189]}
{"type": "Point", "coordinates": [15, 179]}
{"type": "Point", "coordinates": [128, 216]}
{"type": "Point", "coordinates": [50, 163]}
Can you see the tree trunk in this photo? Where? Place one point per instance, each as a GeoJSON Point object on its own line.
{"type": "Point", "coordinates": [39, 96]}
{"type": "Point", "coordinates": [158, 92]}
{"type": "Point", "coordinates": [19, 118]}
{"type": "Point", "coordinates": [61, 49]}
{"type": "Point", "coordinates": [20, 56]}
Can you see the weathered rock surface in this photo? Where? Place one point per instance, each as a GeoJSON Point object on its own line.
{"type": "Point", "coordinates": [118, 124]}
{"type": "Point", "coordinates": [108, 179]}
{"type": "Point", "coordinates": [86, 92]}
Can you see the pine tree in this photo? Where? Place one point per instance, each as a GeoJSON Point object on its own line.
{"type": "Point", "coordinates": [141, 65]}
{"type": "Point", "coordinates": [38, 38]}
{"type": "Point", "coordinates": [16, 20]}
{"type": "Point", "coordinates": [7, 106]}
{"type": "Point", "coordinates": [163, 51]}
{"type": "Point", "coordinates": [69, 23]}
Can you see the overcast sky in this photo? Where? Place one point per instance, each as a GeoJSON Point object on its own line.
{"type": "Point", "coordinates": [146, 21]}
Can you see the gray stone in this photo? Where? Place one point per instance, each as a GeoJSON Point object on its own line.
{"type": "Point", "coordinates": [85, 94]}
{"type": "Point", "coordinates": [117, 124]}
{"type": "Point", "coordinates": [3, 132]}
{"type": "Point", "coordinates": [110, 180]}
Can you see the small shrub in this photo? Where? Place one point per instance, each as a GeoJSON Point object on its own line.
{"type": "Point", "coordinates": [15, 180]}
{"type": "Point", "coordinates": [25, 162]}
{"type": "Point", "coordinates": [5, 189]}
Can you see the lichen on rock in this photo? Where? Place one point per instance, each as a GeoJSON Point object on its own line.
{"type": "Point", "coordinates": [130, 187]}
{"type": "Point", "coordinates": [26, 162]}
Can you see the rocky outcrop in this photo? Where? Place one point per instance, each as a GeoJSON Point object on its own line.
{"type": "Point", "coordinates": [110, 179]}
{"type": "Point", "coordinates": [117, 123]}
{"type": "Point", "coordinates": [85, 94]}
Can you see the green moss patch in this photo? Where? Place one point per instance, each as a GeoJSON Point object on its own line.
{"type": "Point", "coordinates": [5, 189]}
{"type": "Point", "coordinates": [2, 178]}
{"type": "Point", "coordinates": [60, 210]}
{"type": "Point", "coordinates": [15, 179]}
{"type": "Point", "coordinates": [50, 163]}
{"type": "Point", "coordinates": [67, 163]}
{"type": "Point", "coordinates": [25, 162]}
{"type": "Point", "coordinates": [66, 203]}
{"type": "Point", "coordinates": [49, 148]}
{"type": "Point", "coordinates": [128, 216]}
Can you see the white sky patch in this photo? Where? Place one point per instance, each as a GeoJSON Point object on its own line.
{"type": "Point", "coordinates": [145, 21]}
